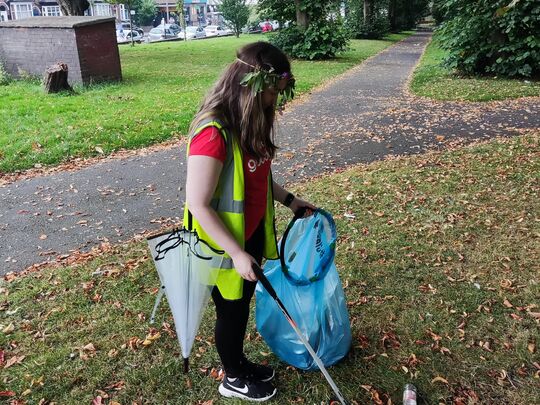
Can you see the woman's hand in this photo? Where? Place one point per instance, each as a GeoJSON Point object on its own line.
{"type": "Point", "coordinates": [242, 263]}
{"type": "Point", "coordinates": [298, 203]}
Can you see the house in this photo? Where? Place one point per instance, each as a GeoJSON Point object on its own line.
{"type": "Point", "coordinates": [194, 10]}
{"type": "Point", "coordinates": [19, 9]}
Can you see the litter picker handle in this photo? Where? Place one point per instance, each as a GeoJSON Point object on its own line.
{"type": "Point", "coordinates": [264, 281]}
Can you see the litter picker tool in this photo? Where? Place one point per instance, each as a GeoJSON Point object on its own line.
{"type": "Point", "coordinates": [266, 284]}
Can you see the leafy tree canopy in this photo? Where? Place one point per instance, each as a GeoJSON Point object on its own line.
{"type": "Point", "coordinates": [236, 14]}
{"type": "Point", "coordinates": [73, 7]}
{"type": "Point", "coordinates": [497, 37]}
{"type": "Point", "coordinates": [314, 31]}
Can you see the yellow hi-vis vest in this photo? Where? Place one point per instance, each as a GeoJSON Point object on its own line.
{"type": "Point", "coordinates": [228, 201]}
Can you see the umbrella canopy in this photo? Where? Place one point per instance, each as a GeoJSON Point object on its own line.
{"type": "Point", "coordinates": [184, 265]}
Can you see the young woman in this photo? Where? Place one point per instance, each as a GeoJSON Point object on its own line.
{"type": "Point", "coordinates": [230, 195]}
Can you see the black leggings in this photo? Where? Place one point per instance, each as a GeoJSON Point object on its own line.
{"type": "Point", "coordinates": [232, 316]}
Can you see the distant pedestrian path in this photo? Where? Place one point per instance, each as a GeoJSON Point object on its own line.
{"type": "Point", "coordinates": [369, 114]}
{"type": "Point", "coordinates": [363, 116]}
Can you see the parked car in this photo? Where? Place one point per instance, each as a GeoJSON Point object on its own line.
{"type": "Point", "coordinates": [253, 28]}
{"type": "Point", "coordinates": [216, 31]}
{"type": "Point", "coordinates": [159, 33]}
{"type": "Point", "coordinates": [266, 26]}
{"type": "Point", "coordinates": [123, 37]}
{"type": "Point", "coordinates": [126, 25]}
{"type": "Point", "coordinates": [193, 32]}
{"type": "Point", "coordinates": [173, 27]}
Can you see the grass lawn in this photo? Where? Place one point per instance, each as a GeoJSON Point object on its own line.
{"type": "Point", "coordinates": [434, 81]}
{"type": "Point", "coordinates": [440, 257]}
{"type": "Point", "coordinates": [162, 88]}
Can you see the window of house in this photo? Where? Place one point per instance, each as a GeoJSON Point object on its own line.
{"type": "Point", "coordinates": [51, 11]}
{"type": "Point", "coordinates": [124, 15]}
{"type": "Point", "coordinates": [102, 9]}
{"type": "Point", "coordinates": [21, 10]}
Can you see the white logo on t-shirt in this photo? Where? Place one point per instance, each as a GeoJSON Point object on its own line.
{"type": "Point", "coordinates": [252, 164]}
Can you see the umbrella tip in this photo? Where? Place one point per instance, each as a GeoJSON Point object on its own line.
{"type": "Point", "coordinates": [186, 365]}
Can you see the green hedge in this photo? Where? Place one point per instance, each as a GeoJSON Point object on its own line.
{"type": "Point", "coordinates": [499, 37]}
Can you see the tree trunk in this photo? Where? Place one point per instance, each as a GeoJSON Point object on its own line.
{"type": "Point", "coordinates": [392, 15]}
{"type": "Point", "coordinates": [73, 7]}
{"type": "Point", "coordinates": [55, 79]}
{"type": "Point", "coordinates": [368, 11]}
{"type": "Point", "coordinates": [302, 18]}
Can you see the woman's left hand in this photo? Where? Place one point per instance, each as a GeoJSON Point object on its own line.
{"type": "Point", "coordinates": [298, 203]}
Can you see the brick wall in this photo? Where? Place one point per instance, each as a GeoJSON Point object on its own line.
{"type": "Point", "coordinates": [86, 44]}
{"type": "Point", "coordinates": [32, 50]}
{"type": "Point", "coordinates": [98, 53]}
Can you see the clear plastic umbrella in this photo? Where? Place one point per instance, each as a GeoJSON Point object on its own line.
{"type": "Point", "coordinates": [184, 264]}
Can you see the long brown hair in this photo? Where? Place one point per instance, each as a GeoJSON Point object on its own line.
{"type": "Point", "coordinates": [242, 111]}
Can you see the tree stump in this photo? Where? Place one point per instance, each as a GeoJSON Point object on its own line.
{"type": "Point", "coordinates": [55, 79]}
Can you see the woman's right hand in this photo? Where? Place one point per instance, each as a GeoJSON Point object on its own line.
{"type": "Point", "coordinates": [243, 263]}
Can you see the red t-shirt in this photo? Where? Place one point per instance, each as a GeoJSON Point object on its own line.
{"type": "Point", "coordinates": [209, 142]}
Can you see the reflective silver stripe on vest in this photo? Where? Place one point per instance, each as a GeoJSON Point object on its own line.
{"type": "Point", "coordinates": [220, 262]}
{"type": "Point", "coordinates": [227, 205]}
{"type": "Point", "coordinates": [226, 201]}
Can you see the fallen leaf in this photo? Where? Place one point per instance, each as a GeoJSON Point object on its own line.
{"type": "Point", "coordinates": [89, 348]}
{"type": "Point", "coordinates": [531, 347]}
{"type": "Point", "coordinates": [507, 303]}
{"type": "Point", "coordinates": [14, 360]}
{"type": "Point", "coordinates": [439, 379]}
{"type": "Point", "coordinates": [97, 400]}
{"type": "Point", "coordinates": [117, 386]}
{"type": "Point", "coordinates": [99, 150]}
{"type": "Point", "coordinates": [7, 394]}
{"type": "Point", "coordinates": [8, 329]}
{"type": "Point", "coordinates": [363, 342]}
{"type": "Point", "coordinates": [150, 338]}
{"type": "Point", "coordinates": [43, 237]}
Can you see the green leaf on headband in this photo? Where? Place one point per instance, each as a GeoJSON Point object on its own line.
{"type": "Point", "coordinates": [259, 80]}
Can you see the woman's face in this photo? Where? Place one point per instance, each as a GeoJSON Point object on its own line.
{"type": "Point", "coordinates": [270, 95]}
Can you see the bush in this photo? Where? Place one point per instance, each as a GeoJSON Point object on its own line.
{"type": "Point", "coordinates": [322, 40]}
{"type": "Point", "coordinates": [377, 27]}
{"type": "Point", "coordinates": [498, 37]}
{"type": "Point", "coordinates": [5, 77]}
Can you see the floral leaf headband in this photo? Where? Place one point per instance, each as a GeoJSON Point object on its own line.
{"type": "Point", "coordinates": [259, 79]}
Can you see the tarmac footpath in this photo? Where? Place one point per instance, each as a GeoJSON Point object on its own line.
{"type": "Point", "coordinates": [364, 115]}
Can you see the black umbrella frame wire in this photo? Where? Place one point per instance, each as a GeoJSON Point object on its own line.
{"type": "Point", "coordinates": [176, 238]}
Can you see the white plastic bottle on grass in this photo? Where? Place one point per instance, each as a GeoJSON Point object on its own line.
{"type": "Point", "coordinates": [409, 395]}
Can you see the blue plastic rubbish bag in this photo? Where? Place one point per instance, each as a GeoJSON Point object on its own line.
{"type": "Point", "coordinates": [307, 282]}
